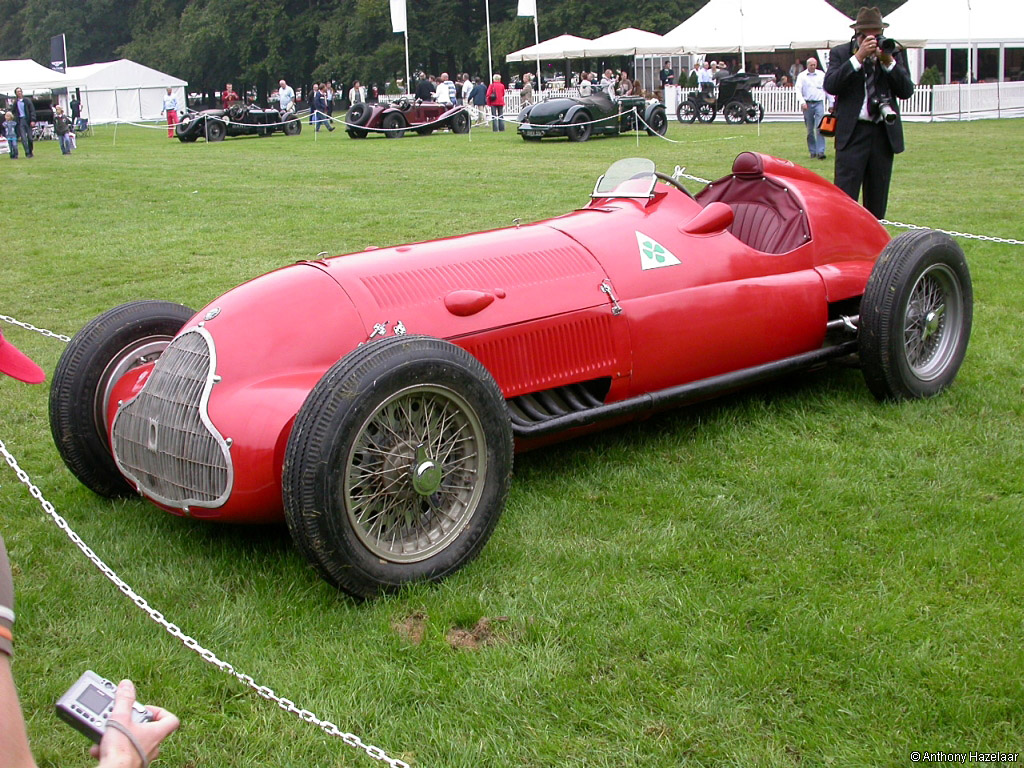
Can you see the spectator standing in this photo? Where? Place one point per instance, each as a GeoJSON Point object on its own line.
{"type": "Point", "coordinates": [478, 98]}
{"type": "Point", "coordinates": [624, 86]}
{"type": "Point", "coordinates": [11, 134]}
{"type": "Point", "coordinates": [864, 78]}
{"type": "Point", "coordinates": [25, 113]}
{"type": "Point", "coordinates": [62, 128]}
{"type": "Point", "coordinates": [496, 101]}
{"type": "Point", "coordinates": [586, 87]}
{"type": "Point", "coordinates": [666, 74]}
{"type": "Point", "coordinates": [704, 79]}
{"type": "Point", "coordinates": [329, 102]}
{"type": "Point", "coordinates": [285, 97]}
{"type": "Point", "coordinates": [170, 109]}
{"type": "Point", "coordinates": [356, 94]}
{"type": "Point", "coordinates": [323, 108]}
{"type": "Point", "coordinates": [76, 112]}
{"type": "Point", "coordinates": [810, 91]}
{"type": "Point", "coordinates": [608, 83]}
{"type": "Point", "coordinates": [424, 88]}
{"type": "Point", "coordinates": [445, 91]}
{"type": "Point", "coordinates": [314, 118]}
{"type": "Point", "coordinates": [228, 97]}
{"type": "Point", "coordinates": [467, 90]}
{"type": "Point", "coordinates": [526, 95]}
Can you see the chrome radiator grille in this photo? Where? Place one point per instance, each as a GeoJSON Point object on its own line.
{"type": "Point", "coordinates": [164, 441]}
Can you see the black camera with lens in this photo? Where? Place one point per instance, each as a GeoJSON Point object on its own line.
{"type": "Point", "coordinates": [887, 44]}
{"type": "Point", "coordinates": [882, 106]}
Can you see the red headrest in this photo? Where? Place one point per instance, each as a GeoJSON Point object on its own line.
{"type": "Point", "coordinates": [748, 164]}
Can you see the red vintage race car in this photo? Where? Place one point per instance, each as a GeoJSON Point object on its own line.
{"type": "Point", "coordinates": [393, 120]}
{"type": "Point", "coordinates": [374, 401]}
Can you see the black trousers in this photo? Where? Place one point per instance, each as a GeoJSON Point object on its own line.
{"type": "Point", "coordinates": [866, 162]}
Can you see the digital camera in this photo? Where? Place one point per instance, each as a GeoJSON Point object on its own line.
{"type": "Point", "coordinates": [883, 107]}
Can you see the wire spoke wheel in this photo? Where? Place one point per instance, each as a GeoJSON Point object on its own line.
{"type": "Point", "coordinates": [415, 473]}
{"type": "Point", "coordinates": [932, 321]}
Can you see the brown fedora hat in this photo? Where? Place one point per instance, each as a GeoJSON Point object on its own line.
{"type": "Point", "coordinates": [868, 18]}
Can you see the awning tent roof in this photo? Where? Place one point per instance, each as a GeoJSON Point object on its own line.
{"type": "Point", "coordinates": [30, 76]}
{"type": "Point", "coordinates": [121, 74]}
{"type": "Point", "coordinates": [625, 42]}
{"type": "Point", "coordinates": [729, 26]}
{"type": "Point", "coordinates": [958, 21]}
{"type": "Point", "coordinates": [549, 49]}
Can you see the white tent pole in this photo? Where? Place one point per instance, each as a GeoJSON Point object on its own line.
{"type": "Point", "coordinates": [536, 37]}
{"type": "Point", "coordinates": [490, 69]}
{"type": "Point", "coordinates": [408, 82]}
{"type": "Point", "coordinates": [970, 64]}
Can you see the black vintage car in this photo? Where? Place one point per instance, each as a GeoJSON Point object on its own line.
{"type": "Point", "coordinates": [579, 118]}
{"type": "Point", "coordinates": [236, 120]}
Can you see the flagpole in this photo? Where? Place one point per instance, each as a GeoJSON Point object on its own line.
{"type": "Point", "coordinates": [490, 70]}
{"type": "Point", "coordinates": [408, 82]}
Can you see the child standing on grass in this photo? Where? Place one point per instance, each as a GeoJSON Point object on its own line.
{"type": "Point", "coordinates": [62, 127]}
{"type": "Point", "coordinates": [11, 134]}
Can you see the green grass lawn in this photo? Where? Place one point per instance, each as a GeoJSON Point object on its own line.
{"type": "Point", "coordinates": [795, 575]}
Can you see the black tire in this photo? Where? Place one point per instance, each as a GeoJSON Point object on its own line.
{"type": "Point", "coordinates": [706, 113]}
{"type": "Point", "coordinates": [579, 127]}
{"type": "Point", "coordinates": [356, 133]}
{"type": "Point", "coordinates": [104, 350]}
{"type": "Point", "coordinates": [393, 124]}
{"type": "Point", "coordinates": [915, 317]}
{"type": "Point", "coordinates": [754, 113]}
{"type": "Point", "coordinates": [369, 432]}
{"type": "Point", "coordinates": [735, 112]}
{"type": "Point", "coordinates": [358, 114]}
{"type": "Point", "coordinates": [460, 122]}
{"type": "Point", "coordinates": [687, 112]}
{"type": "Point", "coordinates": [215, 130]}
{"type": "Point", "coordinates": [657, 123]}
{"type": "Point", "coordinates": [180, 133]}
{"type": "Point", "coordinates": [292, 126]}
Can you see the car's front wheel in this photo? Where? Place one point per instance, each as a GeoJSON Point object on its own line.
{"type": "Point", "coordinates": [657, 123]}
{"type": "Point", "coordinates": [687, 112]}
{"type": "Point", "coordinates": [398, 465]}
{"type": "Point", "coordinates": [706, 112]}
{"type": "Point", "coordinates": [292, 127]}
{"type": "Point", "coordinates": [579, 128]}
{"type": "Point", "coordinates": [101, 353]}
{"type": "Point", "coordinates": [735, 112]}
{"type": "Point", "coordinates": [460, 122]}
{"type": "Point", "coordinates": [215, 131]}
{"type": "Point", "coordinates": [915, 317]}
{"type": "Point", "coordinates": [393, 125]}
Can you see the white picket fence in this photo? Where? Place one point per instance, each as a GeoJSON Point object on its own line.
{"type": "Point", "coordinates": [928, 104]}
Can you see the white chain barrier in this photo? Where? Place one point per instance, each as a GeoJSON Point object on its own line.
{"type": "Point", "coordinates": [286, 704]}
{"type": "Point", "coordinates": [267, 693]}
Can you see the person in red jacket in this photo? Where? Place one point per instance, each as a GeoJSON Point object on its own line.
{"type": "Point", "coordinates": [496, 101]}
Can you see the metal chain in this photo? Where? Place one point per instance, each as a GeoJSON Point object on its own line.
{"type": "Point", "coordinates": [966, 235]}
{"type": "Point", "coordinates": [30, 327]}
{"type": "Point", "coordinates": [287, 705]}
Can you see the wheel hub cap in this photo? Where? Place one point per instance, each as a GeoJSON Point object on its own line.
{"type": "Point", "coordinates": [426, 475]}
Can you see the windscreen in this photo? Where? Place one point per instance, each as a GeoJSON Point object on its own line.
{"type": "Point", "coordinates": [631, 177]}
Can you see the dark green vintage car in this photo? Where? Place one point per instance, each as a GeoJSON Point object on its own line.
{"type": "Point", "coordinates": [579, 118]}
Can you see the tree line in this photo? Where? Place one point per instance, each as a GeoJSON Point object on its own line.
{"type": "Point", "coordinates": [255, 44]}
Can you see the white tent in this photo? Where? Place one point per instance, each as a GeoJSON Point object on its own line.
{"type": "Point", "coordinates": [625, 42]}
{"type": "Point", "coordinates": [554, 48]}
{"type": "Point", "coordinates": [123, 91]}
{"type": "Point", "coordinates": [30, 76]}
{"type": "Point", "coordinates": [970, 24]}
{"type": "Point", "coordinates": [736, 26]}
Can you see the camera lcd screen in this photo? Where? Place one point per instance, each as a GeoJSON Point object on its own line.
{"type": "Point", "coordinates": [94, 699]}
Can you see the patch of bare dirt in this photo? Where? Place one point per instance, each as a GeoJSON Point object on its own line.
{"type": "Point", "coordinates": [412, 628]}
{"type": "Point", "coordinates": [480, 636]}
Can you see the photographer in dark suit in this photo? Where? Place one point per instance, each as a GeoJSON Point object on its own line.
{"type": "Point", "coordinates": [866, 79]}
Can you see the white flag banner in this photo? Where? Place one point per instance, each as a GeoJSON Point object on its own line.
{"type": "Point", "coordinates": [527, 8]}
{"type": "Point", "coordinates": [398, 22]}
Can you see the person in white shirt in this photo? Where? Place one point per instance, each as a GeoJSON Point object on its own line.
{"type": "Point", "coordinates": [810, 91]}
{"type": "Point", "coordinates": [286, 97]}
{"type": "Point", "coordinates": [445, 91]}
{"type": "Point", "coordinates": [608, 83]}
{"type": "Point", "coordinates": [704, 79]}
{"type": "Point", "coordinates": [586, 88]}
{"type": "Point", "coordinates": [356, 94]}
{"type": "Point", "coordinates": [170, 108]}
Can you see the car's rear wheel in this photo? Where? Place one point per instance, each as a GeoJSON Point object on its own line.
{"type": "Point", "coordinates": [657, 123]}
{"type": "Point", "coordinates": [460, 122]}
{"type": "Point", "coordinates": [393, 125]}
{"type": "Point", "coordinates": [735, 112]}
{"type": "Point", "coordinates": [292, 127]}
{"type": "Point", "coordinates": [215, 131]}
{"type": "Point", "coordinates": [398, 465]}
{"type": "Point", "coordinates": [706, 113]}
{"type": "Point", "coordinates": [579, 128]}
{"type": "Point", "coordinates": [754, 113]}
{"type": "Point", "coordinates": [915, 317]}
{"type": "Point", "coordinates": [687, 112]}
{"type": "Point", "coordinates": [101, 353]}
